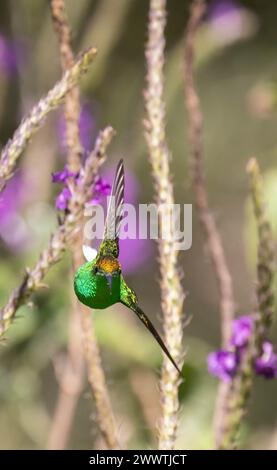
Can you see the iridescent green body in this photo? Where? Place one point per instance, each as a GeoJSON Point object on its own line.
{"type": "Point", "coordinates": [93, 289]}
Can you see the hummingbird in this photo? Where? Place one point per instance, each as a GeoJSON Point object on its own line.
{"type": "Point", "coordinates": [99, 283]}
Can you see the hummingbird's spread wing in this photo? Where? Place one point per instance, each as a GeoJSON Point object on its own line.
{"type": "Point", "coordinates": [109, 244]}
{"type": "Point", "coordinates": [129, 299]}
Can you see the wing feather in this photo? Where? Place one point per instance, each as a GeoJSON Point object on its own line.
{"type": "Point", "coordinates": [115, 208]}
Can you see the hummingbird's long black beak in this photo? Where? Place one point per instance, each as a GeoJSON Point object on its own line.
{"type": "Point", "coordinates": [109, 278]}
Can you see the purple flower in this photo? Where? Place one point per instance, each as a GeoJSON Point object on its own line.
{"type": "Point", "coordinates": [266, 365]}
{"type": "Point", "coordinates": [242, 328]}
{"type": "Point", "coordinates": [63, 199]}
{"type": "Point", "coordinates": [102, 187]}
{"type": "Point", "coordinates": [62, 176]}
{"type": "Point", "coordinates": [223, 364]}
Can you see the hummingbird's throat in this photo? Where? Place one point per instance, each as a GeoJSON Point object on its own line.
{"type": "Point", "coordinates": [108, 264]}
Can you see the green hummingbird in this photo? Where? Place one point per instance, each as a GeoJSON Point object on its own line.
{"type": "Point", "coordinates": [99, 283]}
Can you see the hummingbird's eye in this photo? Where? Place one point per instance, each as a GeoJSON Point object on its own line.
{"type": "Point", "coordinates": [95, 271]}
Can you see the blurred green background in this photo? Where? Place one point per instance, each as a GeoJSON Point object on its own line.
{"type": "Point", "coordinates": [237, 77]}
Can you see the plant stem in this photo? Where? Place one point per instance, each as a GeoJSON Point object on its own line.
{"type": "Point", "coordinates": [241, 385]}
{"type": "Point", "coordinates": [172, 294]}
{"type": "Point", "coordinates": [207, 221]}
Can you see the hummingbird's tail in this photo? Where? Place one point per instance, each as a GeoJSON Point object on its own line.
{"type": "Point", "coordinates": [149, 325]}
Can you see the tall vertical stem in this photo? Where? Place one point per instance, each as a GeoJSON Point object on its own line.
{"type": "Point", "coordinates": [207, 221]}
{"type": "Point", "coordinates": [172, 294]}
